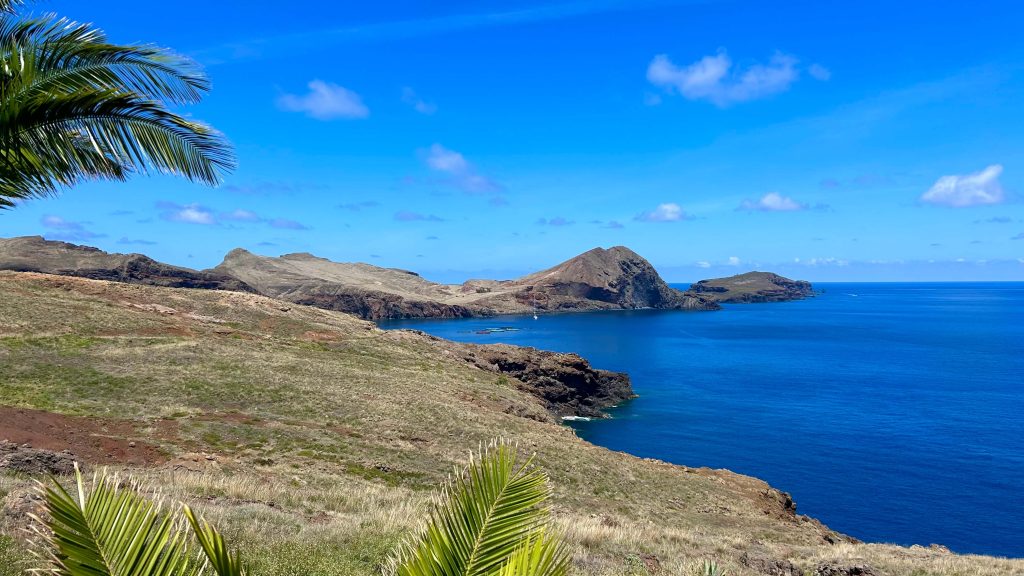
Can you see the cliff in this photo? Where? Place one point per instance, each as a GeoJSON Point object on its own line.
{"type": "Point", "coordinates": [753, 287]}
{"type": "Point", "coordinates": [36, 254]}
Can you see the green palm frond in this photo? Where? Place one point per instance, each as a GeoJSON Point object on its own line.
{"type": "Point", "coordinates": [223, 561]}
{"type": "Point", "coordinates": [111, 530]}
{"type": "Point", "coordinates": [75, 107]}
{"type": "Point", "coordinates": [490, 520]}
{"type": "Point", "coordinates": [540, 554]}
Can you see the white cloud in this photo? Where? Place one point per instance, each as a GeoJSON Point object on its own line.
{"type": "Point", "coordinates": [325, 101]}
{"type": "Point", "coordinates": [418, 104]}
{"type": "Point", "coordinates": [819, 72]}
{"type": "Point", "coordinates": [444, 160]}
{"type": "Point", "coordinates": [713, 78]}
{"type": "Point", "coordinates": [190, 213]}
{"type": "Point", "coordinates": [734, 261]}
{"type": "Point", "coordinates": [242, 216]}
{"type": "Point", "coordinates": [961, 190]}
{"type": "Point", "coordinates": [462, 174]}
{"type": "Point", "coordinates": [197, 214]}
{"type": "Point", "coordinates": [556, 221]}
{"type": "Point", "coordinates": [703, 264]}
{"type": "Point", "coordinates": [668, 212]}
{"type": "Point", "coordinates": [772, 202]}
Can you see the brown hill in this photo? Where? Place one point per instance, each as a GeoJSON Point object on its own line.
{"type": "Point", "coordinates": [36, 254]}
{"type": "Point", "coordinates": [616, 278]}
{"type": "Point", "coordinates": [753, 287]}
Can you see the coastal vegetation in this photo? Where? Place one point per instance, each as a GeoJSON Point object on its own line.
{"type": "Point", "coordinates": [491, 520]}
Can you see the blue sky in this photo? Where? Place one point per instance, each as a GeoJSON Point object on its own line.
{"type": "Point", "coordinates": [824, 140]}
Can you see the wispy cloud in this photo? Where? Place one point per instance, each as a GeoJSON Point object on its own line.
{"type": "Point", "coordinates": [418, 104]}
{"type": "Point", "coordinates": [702, 264]}
{"type": "Point", "coordinates": [135, 241]}
{"type": "Point", "coordinates": [772, 202]}
{"type": "Point", "coordinates": [268, 45]}
{"type": "Point", "coordinates": [668, 212]}
{"type": "Point", "coordinates": [359, 206]}
{"type": "Point", "coordinates": [714, 79]}
{"type": "Point", "coordinates": [557, 221]}
{"type": "Point", "coordinates": [261, 188]}
{"type": "Point", "coordinates": [189, 213]}
{"type": "Point", "coordinates": [68, 230]}
{"type": "Point", "coordinates": [242, 216]}
{"type": "Point", "coordinates": [460, 172]}
{"type": "Point", "coordinates": [197, 214]}
{"type": "Point", "coordinates": [995, 220]}
{"type": "Point", "coordinates": [325, 101]}
{"type": "Point", "coordinates": [819, 72]}
{"type": "Point", "coordinates": [1018, 236]}
{"type": "Point", "coordinates": [410, 216]}
{"type": "Point", "coordinates": [963, 190]}
{"type": "Point", "coordinates": [286, 224]}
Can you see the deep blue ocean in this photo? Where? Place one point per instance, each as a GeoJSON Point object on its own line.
{"type": "Point", "coordinates": [891, 412]}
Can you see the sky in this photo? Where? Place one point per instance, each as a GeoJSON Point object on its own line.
{"type": "Point", "coordinates": [825, 140]}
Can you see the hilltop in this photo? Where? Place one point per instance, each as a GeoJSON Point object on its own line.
{"type": "Point", "coordinates": [314, 437]}
{"type": "Point", "coordinates": [753, 287]}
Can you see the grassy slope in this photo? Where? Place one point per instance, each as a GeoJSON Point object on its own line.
{"type": "Point", "coordinates": [327, 434]}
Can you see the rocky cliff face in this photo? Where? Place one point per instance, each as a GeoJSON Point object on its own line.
{"type": "Point", "coordinates": [566, 383]}
{"type": "Point", "coordinates": [36, 254]}
{"type": "Point", "coordinates": [753, 287]}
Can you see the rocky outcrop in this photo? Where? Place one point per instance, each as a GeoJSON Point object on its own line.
{"type": "Point", "coordinates": [613, 278]}
{"type": "Point", "coordinates": [753, 287]}
{"type": "Point", "coordinates": [836, 569]}
{"type": "Point", "coordinates": [765, 565]}
{"type": "Point", "coordinates": [25, 459]}
{"type": "Point", "coordinates": [375, 304]}
{"type": "Point", "coordinates": [566, 383]}
{"type": "Point", "coordinates": [36, 254]}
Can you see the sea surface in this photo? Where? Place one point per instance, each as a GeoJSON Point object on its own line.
{"type": "Point", "coordinates": [892, 412]}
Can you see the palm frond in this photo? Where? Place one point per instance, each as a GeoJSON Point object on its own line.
{"type": "Point", "coordinates": [540, 555]}
{"type": "Point", "coordinates": [9, 5]}
{"type": "Point", "coordinates": [75, 107]}
{"type": "Point", "coordinates": [111, 530]}
{"type": "Point", "coordinates": [490, 515]}
{"type": "Point", "coordinates": [223, 561]}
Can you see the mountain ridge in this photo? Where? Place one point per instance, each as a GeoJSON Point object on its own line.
{"type": "Point", "coordinates": [615, 278]}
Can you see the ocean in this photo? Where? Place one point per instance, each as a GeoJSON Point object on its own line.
{"type": "Point", "coordinates": [892, 412]}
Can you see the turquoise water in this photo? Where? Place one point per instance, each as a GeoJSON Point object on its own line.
{"type": "Point", "coordinates": [891, 412]}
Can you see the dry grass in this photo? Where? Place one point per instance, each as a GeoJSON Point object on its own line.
{"type": "Point", "coordinates": [315, 439]}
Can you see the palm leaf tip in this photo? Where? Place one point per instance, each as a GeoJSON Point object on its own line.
{"type": "Point", "coordinates": [110, 529]}
{"type": "Point", "coordinates": [490, 519]}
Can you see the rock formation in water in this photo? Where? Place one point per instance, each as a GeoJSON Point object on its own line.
{"type": "Point", "coordinates": [753, 287]}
